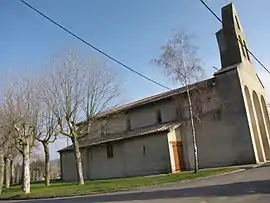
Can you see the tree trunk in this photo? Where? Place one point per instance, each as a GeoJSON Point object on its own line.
{"type": "Point", "coordinates": [2, 168]}
{"type": "Point", "coordinates": [26, 168]}
{"type": "Point", "coordinates": [78, 160]}
{"type": "Point", "coordinates": [196, 164]}
{"type": "Point", "coordinates": [7, 172]}
{"type": "Point", "coordinates": [12, 172]}
{"type": "Point", "coordinates": [22, 174]}
{"type": "Point", "coordinates": [17, 175]}
{"type": "Point", "coordinates": [47, 163]}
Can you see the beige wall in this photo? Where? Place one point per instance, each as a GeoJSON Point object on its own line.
{"type": "Point", "coordinates": [155, 160]}
{"type": "Point", "coordinates": [139, 117]}
{"type": "Point", "coordinates": [260, 136]}
{"type": "Point", "coordinates": [146, 115]}
{"type": "Point", "coordinates": [128, 159]}
{"type": "Point", "coordinates": [223, 135]}
{"type": "Point", "coordinates": [235, 52]}
{"type": "Point", "coordinates": [68, 166]}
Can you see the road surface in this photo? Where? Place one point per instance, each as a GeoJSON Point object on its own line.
{"type": "Point", "coordinates": [252, 185]}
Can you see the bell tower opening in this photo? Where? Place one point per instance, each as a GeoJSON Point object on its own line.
{"type": "Point", "coordinates": [231, 39]}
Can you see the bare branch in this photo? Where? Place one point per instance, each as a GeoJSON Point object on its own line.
{"type": "Point", "coordinates": [75, 91]}
{"type": "Point", "coordinates": [180, 62]}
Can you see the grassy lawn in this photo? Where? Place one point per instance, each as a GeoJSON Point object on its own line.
{"type": "Point", "coordinates": [93, 187]}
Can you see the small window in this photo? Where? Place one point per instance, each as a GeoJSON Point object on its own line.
{"type": "Point", "coordinates": [217, 114]}
{"type": "Point", "coordinates": [245, 45]}
{"type": "Point", "coordinates": [91, 154]}
{"type": "Point", "coordinates": [242, 46]}
{"type": "Point", "coordinates": [143, 150]}
{"type": "Point", "coordinates": [128, 124]}
{"type": "Point", "coordinates": [176, 112]}
{"type": "Point", "coordinates": [109, 151]}
{"type": "Point", "coordinates": [158, 115]}
{"type": "Point", "coordinates": [237, 22]}
{"type": "Point", "coordinates": [103, 131]}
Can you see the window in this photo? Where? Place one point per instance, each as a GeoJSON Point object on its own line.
{"type": "Point", "coordinates": [103, 131]}
{"type": "Point", "coordinates": [245, 45]}
{"type": "Point", "coordinates": [217, 114]}
{"type": "Point", "coordinates": [128, 124]}
{"type": "Point", "coordinates": [158, 116]}
{"type": "Point", "coordinates": [143, 150]}
{"type": "Point", "coordinates": [237, 22]}
{"type": "Point", "coordinates": [242, 46]}
{"type": "Point", "coordinates": [91, 154]}
{"type": "Point", "coordinates": [109, 151]}
{"type": "Point", "coordinates": [176, 112]}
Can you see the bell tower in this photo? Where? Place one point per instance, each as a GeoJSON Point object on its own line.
{"type": "Point", "coordinates": [231, 39]}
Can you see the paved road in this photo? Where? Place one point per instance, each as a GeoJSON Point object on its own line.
{"type": "Point", "coordinates": [249, 186]}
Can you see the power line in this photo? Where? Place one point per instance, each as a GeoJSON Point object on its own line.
{"type": "Point", "coordinates": [215, 15]}
{"type": "Point", "coordinates": [93, 47]}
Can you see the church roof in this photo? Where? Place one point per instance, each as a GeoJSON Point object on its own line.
{"type": "Point", "coordinates": [151, 99]}
{"type": "Point", "coordinates": [92, 141]}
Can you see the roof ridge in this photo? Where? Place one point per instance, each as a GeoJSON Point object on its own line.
{"type": "Point", "coordinates": [146, 100]}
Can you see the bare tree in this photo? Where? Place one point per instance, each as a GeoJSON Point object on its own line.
{"type": "Point", "coordinates": [3, 143]}
{"type": "Point", "coordinates": [22, 109]}
{"type": "Point", "coordinates": [76, 91]}
{"type": "Point", "coordinates": [5, 147]}
{"type": "Point", "coordinates": [180, 62]}
{"type": "Point", "coordinates": [10, 153]}
{"type": "Point", "coordinates": [47, 131]}
{"type": "Point", "coordinates": [2, 168]}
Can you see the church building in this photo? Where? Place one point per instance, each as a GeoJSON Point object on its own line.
{"type": "Point", "coordinates": [153, 135]}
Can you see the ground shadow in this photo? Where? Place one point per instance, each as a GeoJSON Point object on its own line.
{"type": "Point", "coordinates": [228, 190]}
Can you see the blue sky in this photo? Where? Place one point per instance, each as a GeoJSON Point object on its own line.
{"type": "Point", "coordinates": [131, 31]}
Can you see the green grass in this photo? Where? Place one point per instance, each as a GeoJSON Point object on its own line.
{"type": "Point", "coordinates": [92, 187]}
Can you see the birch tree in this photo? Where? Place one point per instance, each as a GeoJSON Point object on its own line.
{"type": "Point", "coordinates": [22, 109]}
{"type": "Point", "coordinates": [77, 91]}
{"type": "Point", "coordinates": [47, 131]}
{"type": "Point", "coordinates": [181, 64]}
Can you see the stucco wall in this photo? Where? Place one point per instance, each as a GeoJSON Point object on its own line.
{"type": "Point", "coordinates": [129, 159]}
{"type": "Point", "coordinates": [260, 138]}
{"type": "Point", "coordinates": [223, 136]}
{"type": "Point", "coordinates": [146, 115]}
{"type": "Point", "coordinates": [139, 117]}
{"type": "Point", "coordinates": [68, 166]}
{"type": "Point", "coordinates": [101, 167]}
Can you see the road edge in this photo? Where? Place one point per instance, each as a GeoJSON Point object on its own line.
{"type": "Point", "coordinates": [124, 190]}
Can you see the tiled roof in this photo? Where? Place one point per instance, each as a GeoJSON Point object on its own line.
{"type": "Point", "coordinates": [123, 135]}
{"type": "Point", "coordinates": [150, 99]}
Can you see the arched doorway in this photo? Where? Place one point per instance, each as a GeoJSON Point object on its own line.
{"type": "Point", "coordinates": [261, 125]}
{"type": "Point", "coordinates": [254, 125]}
